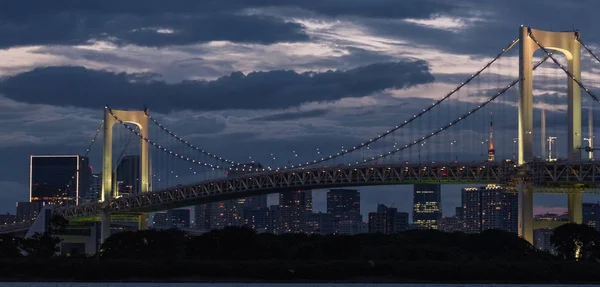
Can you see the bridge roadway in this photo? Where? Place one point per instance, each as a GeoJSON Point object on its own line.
{"type": "Point", "coordinates": [551, 177]}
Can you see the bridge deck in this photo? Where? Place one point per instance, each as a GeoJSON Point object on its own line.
{"type": "Point", "coordinates": [545, 176]}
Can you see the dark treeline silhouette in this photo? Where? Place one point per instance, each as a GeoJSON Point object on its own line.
{"type": "Point", "coordinates": [239, 254]}
{"type": "Point", "coordinates": [238, 243]}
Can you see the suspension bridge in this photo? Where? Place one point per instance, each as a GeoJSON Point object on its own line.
{"type": "Point", "coordinates": [445, 141]}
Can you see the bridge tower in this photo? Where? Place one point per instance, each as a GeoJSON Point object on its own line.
{"type": "Point", "coordinates": [139, 119]}
{"type": "Point", "coordinates": [568, 44]}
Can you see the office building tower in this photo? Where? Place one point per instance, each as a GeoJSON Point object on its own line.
{"type": "Point", "coordinates": [224, 214]}
{"type": "Point", "coordinates": [510, 211]}
{"type": "Point", "coordinates": [541, 240]}
{"type": "Point", "coordinates": [591, 215]}
{"type": "Point", "coordinates": [274, 219]}
{"type": "Point", "coordinates": [350, 227]}
{"type": "Point", "coordinates": [160, 221]}
{"type": "Point", "coordinates": [459, 213]}
{"type": "Point", "coordinates": [28, 211]}
{"type": "Point", "coordinates": [427, 205]}
{"type": "Point", "coordinates": [344, 205]}
{"type": "Point", "coordinates": [128, 175]}
{"type": "Point", "coordinates": [174, 218]}
{"type": "Point", "coordinates": [252, 202]}
{"type": "Point", "coordinates": [450, 224]}
{"type": "Point", "coordinates": [95, 190]}
{"type": "Point", "coordinates": [401, 221]}
{"type": "Point", "coordinates": [258, 220]}
{"type": "Point", "coordinates": [179, 218]}
{"type": "Point", "coordinates": [489, 207]}
{"type": "Point", "coordinates": [491, 150]}
{"type": "Point", "coordinates": [387, 220]}
{"type": "Point", "coordinates": [202, 215]}
{"type": "Point", "coordinates": [293, 206]}
{"type": "Point", "coordinates": [218, 215]}
{"type": "Point", "coordinates": [58, 179]}
{"type": "Point", "coordinates": [319, 223]}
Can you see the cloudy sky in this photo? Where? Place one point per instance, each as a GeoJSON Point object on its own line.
{"type": "Point", "coordinates": [250, 78]}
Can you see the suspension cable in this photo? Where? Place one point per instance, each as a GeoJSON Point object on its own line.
{"type": "Point", "coordinates": [464, 116]}
{"type": "Point", "coordinates": [87, 151]}
{"type": "Point", "coordinates": [563, 68]}
{"type": "Point", "coordinates": [587, 49]}
{"type": "Point", "coordinates": [164, 149]}
{"type": "Point", "coordinates": [371, 140]}
{"type": "Point", "coordinates": [416, 116]}
{"type": "Point", "coordinates": [171, 133]}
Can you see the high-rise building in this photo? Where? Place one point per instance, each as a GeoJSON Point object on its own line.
{"type": "Point", "coordinates": [174, 218]}
{"type": "Point", "coordinates": [459, 213]}
{"type": "Point", "coordinates": [258, 220]}
{"type": "Point", "coordinates": [541, 239]}
{"type": "Point", "coordinates": [179, 218]}
{"type": "Point", "coordinates": [274, 219]}
{"type": "Point", "coordinates": [344, 205]}
{"type": "Point", "coordinates": [427, 207]}
{"type": "Point", "coordinates": [401, 221]}
{"type": "Point", "coordinates": [319, 223]}
{"type": "Point", "coordinates": [450, 224]}
{"type": "Point", "coordinates": [224, 214]}
{"type": "Point", "coordinates": [95, 190]}
{"type": "Point", "coordinates": [293, 206]}
{"type": "Point", "coordinates": [128, 175]}
{"type": "Point", "coordinates": [387, 220]}
{"type": "Point", "coordinates": [491, 150]}
{"type": "Point", "coordinates": [58, 179]}
{"type": "Point", "coordinates": [218, 215]}
{"type": "Point", "coordinates": [489, 207]}
{"type": "Point", "coordinates": [350, 227]}
{"type": "Point", "coordinates": [28, 211]}
{"type": "Point", "coordinates": [159, 220]}
{"type": "Point", "coordinates": [591, 215]}
{"type": "Point", "coordinates": [252, 202]}
{"type": "Point", "coordinates": [202, 215]}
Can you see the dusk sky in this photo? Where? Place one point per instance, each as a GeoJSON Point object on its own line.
{"type": "Point", "coordinates": [245, 78]}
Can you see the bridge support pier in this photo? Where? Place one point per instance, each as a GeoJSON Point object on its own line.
{"type": "Point", "coordinates": [575, 201]}
{"type": "Point", "coordinates": [143, 221]}
{"type": "Point", "coordinates": [526, 212]}
{"type": "Point", "coordinates": [104, 226]}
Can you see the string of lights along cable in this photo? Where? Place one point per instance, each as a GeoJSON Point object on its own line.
{"type": "Point", "coordinates": [373, 153]}
{"type": "Point", "coordinates": [344, 151]}
{"type": "Point", "coordinates": [165, 149]}
{"type": "Point", "coordinates": [187, 143]}
{"type": "Point", "coordinates": [454, 122]}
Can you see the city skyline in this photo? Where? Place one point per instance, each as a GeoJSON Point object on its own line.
{"type": "Point", "coordinates": [447, 42]}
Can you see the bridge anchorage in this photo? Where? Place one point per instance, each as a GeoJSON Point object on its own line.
{"type": "Point", "coordinates": [524, 174]}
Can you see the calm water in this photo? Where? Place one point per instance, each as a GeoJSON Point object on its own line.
{"type": "Point", "coordinates": [258, 285]}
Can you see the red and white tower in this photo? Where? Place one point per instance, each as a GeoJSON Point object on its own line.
{"type": "Point", "coordinates": [491, 150]}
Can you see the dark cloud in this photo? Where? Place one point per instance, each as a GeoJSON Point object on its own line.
{"type": "Point", "coordinates": [23, 11]}
{"type": "Point", "coordinates": [490, 25]}
{"type": "Point", "coordinates": [71, 28]}
{"type": "Point", "coordinates": [158, 23]}
{"type": "Point", "coordinates": [78, 86]}
{"type": "Point", "coordinates": [288, 116]}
